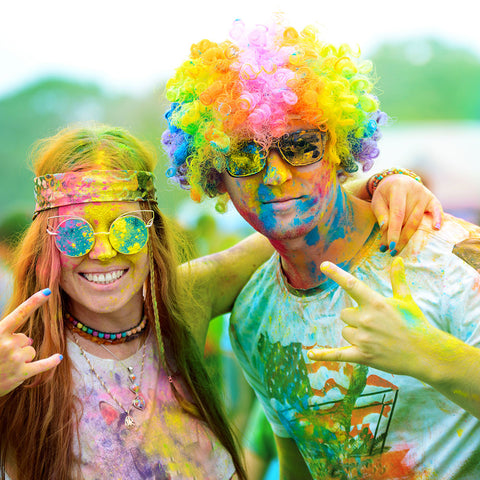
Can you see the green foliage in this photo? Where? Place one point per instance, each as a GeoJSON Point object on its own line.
{"type": "Point", "coordinates": [428, 80]}
{"type": "Point", "coordinates": [419, 80]}
{"type": "Point", "coordinates": [43, 108]}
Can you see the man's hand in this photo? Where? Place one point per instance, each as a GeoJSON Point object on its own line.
{"type": "Point", "coordinates": [385, 333]}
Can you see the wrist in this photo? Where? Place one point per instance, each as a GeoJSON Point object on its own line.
{"type": "Point", "coordinates": [374, 180]}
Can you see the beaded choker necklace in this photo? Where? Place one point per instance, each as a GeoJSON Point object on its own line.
{"type": "Point", "coordinates": [104, 337]}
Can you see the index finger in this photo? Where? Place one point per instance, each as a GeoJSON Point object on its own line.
{"type": "Point", "coordinates": [19, 316]}
{"type": "Point", "coordinates": [360, 292]}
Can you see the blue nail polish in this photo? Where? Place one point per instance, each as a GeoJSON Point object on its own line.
{"type": "Point", "coordinates": [393, 253]}
{"type": "Point", "coordinates": [46, 292]}
{"type": "Point", "coordinates": [437, 226]}
{"type": "Point", "coordinates": [383, 248]}
{"type": "Point", "coordinates": [61, 357]}
{"type": "Point", "coordinates": [392, 246]}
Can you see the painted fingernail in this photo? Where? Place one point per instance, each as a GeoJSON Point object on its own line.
{"type": "Point", "coordinates": [392, 246]}
{"type": "Point", "coordinates": [383, 248]}
{"type": "Point", "coordinates": [437, 226]}
{"type": "Point", "coordinates": [60, 357]}
{"type": "Point", "coordinates": [46, 292]}
{"type": "Point", "coordinates": [393, 253]}
{"type": "Point", "coordinates": [30, 341]}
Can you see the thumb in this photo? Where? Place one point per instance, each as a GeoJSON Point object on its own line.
{"type": "Point", "coordinates": [341, 354]}
{"type": "Point", "coordinates": [400, 287]}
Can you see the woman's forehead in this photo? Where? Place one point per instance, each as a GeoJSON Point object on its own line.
{"type": "Point", "coordinates": [99, 210]}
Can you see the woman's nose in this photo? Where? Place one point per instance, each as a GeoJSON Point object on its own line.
{"type": "Point", "coordinates": [102, 250]}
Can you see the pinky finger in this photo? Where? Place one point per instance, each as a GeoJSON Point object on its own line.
{"type": "Point", "coordinates": [40, 366]}
{"type": "Point", "coordinates": [437, 213]}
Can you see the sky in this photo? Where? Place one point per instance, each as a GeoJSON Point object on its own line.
{"type": "Point", "coordinates": [128, 46]}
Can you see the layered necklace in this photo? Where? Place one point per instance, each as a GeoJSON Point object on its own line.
{"type": "Point", "coordinates": [101, 338]}
{"type": "Point", "coordinates": [138, 401]}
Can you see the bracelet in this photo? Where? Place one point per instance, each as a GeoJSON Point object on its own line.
{"type": "Point", "coordinates": [373, 181]}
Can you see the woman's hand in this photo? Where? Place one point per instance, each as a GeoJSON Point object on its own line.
{"type": "Point", "coordinates": [399, 202]}
{"type": "Point", "coordinates": [16, 351]}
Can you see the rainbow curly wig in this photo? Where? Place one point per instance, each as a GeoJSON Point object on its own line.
{"type": "Point", "coordinates": [250, 87]}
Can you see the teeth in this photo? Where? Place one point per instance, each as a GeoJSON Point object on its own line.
{"type": "Point", "coordinates": [103, 278]}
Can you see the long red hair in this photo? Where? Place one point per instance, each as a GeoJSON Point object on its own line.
{"type": "Point", "coordinates": [39, 419]}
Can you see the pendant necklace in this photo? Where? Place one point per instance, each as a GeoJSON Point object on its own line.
{"type": "Point", "coordinates": [139, 400]}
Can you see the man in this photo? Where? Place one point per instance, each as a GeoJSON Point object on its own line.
{"type": "Point", "coordinates": [277, 119]}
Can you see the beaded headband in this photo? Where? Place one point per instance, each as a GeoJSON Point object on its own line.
{"type": "Point", "coordinates": [70, 188]}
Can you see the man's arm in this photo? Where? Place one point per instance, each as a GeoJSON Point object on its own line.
{"type": "Point", "coordinates": [292, 464]}
{"type": "Point", "coordinates": [393, 335]}
{"type": "Point", "coordinates": [215, 280]}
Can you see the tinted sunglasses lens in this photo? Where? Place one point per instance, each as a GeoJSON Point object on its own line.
{"type": "Point", "coordinates": [303, 149]}
{"type": "Point", "coordinates": [245, 162]}
{"type": "Point", "coordinates": [128, 235]}
{"type": "Point", "coordinates": [74, 237]}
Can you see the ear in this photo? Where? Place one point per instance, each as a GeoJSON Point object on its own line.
{"type": "Point", "coordinates": [221, 187]}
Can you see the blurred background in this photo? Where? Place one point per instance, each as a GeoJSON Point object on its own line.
{"type": "Point", "coordinates": [63, 62]}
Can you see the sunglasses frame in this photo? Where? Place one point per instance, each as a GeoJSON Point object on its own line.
{"type": "Point", "coordinates": [52, 230]}
{"type": "Point", "coordinates": [277, 145]}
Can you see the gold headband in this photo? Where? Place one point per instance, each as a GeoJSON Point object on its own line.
{"type": "Point", "coordinates": [70, 188]}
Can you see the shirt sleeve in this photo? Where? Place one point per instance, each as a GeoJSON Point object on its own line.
{"type": "Point", "coordinates": [461, 299]}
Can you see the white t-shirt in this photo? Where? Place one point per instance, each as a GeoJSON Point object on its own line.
{"type": "Point", "coordinates": [168, 443]}
{"type": "Point", "coordinates": [350, 421]}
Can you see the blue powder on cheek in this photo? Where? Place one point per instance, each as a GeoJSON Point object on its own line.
{"type": "Point", "coordinates": [267, 219]}
{"type": "Point", "coordinates": [264, 193]}
{"type": "Point", "coordinates": [342, 219]}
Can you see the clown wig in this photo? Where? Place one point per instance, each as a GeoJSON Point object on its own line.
{"type": "Point", "coordinates": [249, 88]}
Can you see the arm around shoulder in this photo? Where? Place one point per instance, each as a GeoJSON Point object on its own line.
{"type": "Point", "coordinates": [215, 280]}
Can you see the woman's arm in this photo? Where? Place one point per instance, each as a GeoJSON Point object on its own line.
{"type": "Point", "coordinates": [393, 335]}
{"type": "Point", "coordinates": [217, 279]}
{"type": "Point", "coordinates": [399, 202]}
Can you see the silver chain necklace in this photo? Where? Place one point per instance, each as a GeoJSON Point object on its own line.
{"type": "Point", "coordinates": [138, 401]}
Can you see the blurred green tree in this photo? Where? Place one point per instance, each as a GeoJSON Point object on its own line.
{"type": "Point", "coordinates": [426, 79]}
{"type": "Point", "coordinates": [44, 107]}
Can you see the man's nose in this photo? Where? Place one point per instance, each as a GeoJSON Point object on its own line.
{"type": "Point", "coordinates": [277, 171]}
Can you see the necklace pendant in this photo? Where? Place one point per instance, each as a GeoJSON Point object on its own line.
{"type": "Point", "coordinates": [139, 401]}
{"type": "Point", "coordinates": [132, 377]}
{"type": "Point", "coordinates": [134, 388]}
{"type": "Point", "coordinates": [130, 422]}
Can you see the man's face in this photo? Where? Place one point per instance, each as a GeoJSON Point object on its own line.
{"type": "Point", "coordinates": [283, 201]}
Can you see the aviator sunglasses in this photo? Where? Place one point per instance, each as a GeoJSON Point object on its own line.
{"type": "Point", "coordinates": [75, 237]}
{"type": "Point", "coordinates": [298, 149]}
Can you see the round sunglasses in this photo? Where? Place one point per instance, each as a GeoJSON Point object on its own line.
{"type": "Point", "coordinates": [75, 237]}
{"type": "Point", "coordinates": [300, 148]}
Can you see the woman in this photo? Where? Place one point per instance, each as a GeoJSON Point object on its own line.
{"type": "Point", "coordinates": [120, 391]}
{"type": "Point", "coordinates": [83, 409]}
